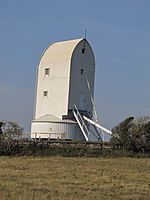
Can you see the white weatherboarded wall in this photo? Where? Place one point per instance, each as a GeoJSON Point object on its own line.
{"type": "Point", "coordinates": [61, 83]}
{"type": "Point", "coordinates": [82, 70]}
{"type": "Point", "coordinates": [57, 58]}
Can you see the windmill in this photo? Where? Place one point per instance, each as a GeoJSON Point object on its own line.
{"type": "Point", "coordinates": [64, 96]}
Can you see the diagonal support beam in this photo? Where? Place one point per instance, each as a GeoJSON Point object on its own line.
{"type": "Point", "coordinates": [81, 123]}
{"type": "Point", "coordinates": [97, 125]}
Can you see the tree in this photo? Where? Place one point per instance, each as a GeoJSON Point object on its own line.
{"type": "Point", "coordinates": [140, 134]}
{"type": "Point", "coordinates": [9, 132]}
{"type": "Point", "coordinates": [120, 133]}
{"type": "Point", "coordinates": [1, 124]}
{"type": "Point", "coordinates": [133, 134]}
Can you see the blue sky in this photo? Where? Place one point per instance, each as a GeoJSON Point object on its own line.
{"type": "Point", "coordinates": [118, 31]}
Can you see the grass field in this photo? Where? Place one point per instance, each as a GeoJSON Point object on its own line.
{"type": "Point", "coordinates": [37, 178]}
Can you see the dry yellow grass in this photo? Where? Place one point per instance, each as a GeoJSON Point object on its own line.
{"type": "Point", "coordinates": [37, 178]}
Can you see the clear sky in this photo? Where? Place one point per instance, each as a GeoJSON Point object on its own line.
{"type": "Point", "coordinates": [118, 31]}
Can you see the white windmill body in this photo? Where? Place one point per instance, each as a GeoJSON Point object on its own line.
{"type": "Point", "coordinates": [65, 72]}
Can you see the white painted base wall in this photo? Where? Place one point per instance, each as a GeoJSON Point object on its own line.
{"type": "Point", "coordinates": [56, 130]}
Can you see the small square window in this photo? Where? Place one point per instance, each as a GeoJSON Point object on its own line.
{"type": "Point", "coordinates": [83, 50]}
{"type": "Point", "coordinates": [45, 93]}
{"type": "Point", "coordinates": [82, 70]}
{"type": "Point", "coordinates": [47, 70]}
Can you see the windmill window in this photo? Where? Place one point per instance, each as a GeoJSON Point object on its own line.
{"type": "Point", "coordinates": [83, 50]}
{"type": "Point", "coordinates": [47, 70]}
{"type": "Point", "coordinates": [45, 93]}
{"type": "Point", "coordinates": [82, 70]}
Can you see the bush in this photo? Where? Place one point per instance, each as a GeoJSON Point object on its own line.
{"type": "Point", "coordinates": [133, 134]}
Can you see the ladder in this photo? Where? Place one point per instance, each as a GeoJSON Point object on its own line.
{"type": "Point", "coordinates": [81, 122]}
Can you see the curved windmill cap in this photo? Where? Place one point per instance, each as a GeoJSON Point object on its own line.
{"type": "Point", "coordinates": [61, 51]}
